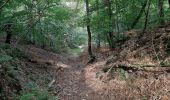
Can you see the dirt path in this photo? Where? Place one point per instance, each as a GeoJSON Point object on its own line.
{"type": "Point", "coordinates": [75, 80]}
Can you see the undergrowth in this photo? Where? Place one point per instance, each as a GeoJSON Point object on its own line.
{"type": "Point", "coordinates": [12, 73]}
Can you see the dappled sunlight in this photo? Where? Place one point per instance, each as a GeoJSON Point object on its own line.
{"type": "Point", "coordinates": [60, 64]}
{"type": "Point", "coordinates": [84, 50]}
{"type": "Point", "coordinates": [142, 61]}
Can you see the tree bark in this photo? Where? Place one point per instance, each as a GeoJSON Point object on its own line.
{"type": "Point", "coordinates": [8, 38]}
{"type": "Point", "coordinates": [169, 2]}
{"type": "Point", "coordinates": [140, 14]}
{"type": "Point", "coordinates": [8, 31]}
{"type": "Point", "coordinates": [98, 25]}
{"type": "Point", "coordinates": [110, 35]}
{"type": "Point", "coordinates": [4, 4]}
{"type": "Point", "coordinates": [92, 58]}
{"type": "Point", "coordinates": [161, 11]}
{"type": "Point", "coordinates": [146, 16]}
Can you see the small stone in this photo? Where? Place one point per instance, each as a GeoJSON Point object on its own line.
{"type": "Point", "coordinates": [130, 71]}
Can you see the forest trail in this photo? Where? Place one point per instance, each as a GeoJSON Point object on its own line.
{"type": "Point", "coordinates": [74, 79]}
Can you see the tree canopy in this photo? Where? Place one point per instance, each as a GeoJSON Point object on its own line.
{"type": "Point", "coordinates": [60, 24]}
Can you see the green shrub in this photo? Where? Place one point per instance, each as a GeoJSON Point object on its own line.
{"type": "Point", "coordinates": [5, 58]}
{"type": "Point", "coordinates": [36, 93]}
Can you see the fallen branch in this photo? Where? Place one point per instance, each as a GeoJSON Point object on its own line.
{"type": "Point", "coordinates": [138, 67]}
{"type": "Point", "coordinates": [51, 83]}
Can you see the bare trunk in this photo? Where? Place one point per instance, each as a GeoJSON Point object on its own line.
{"type": "Point", "coordinates": [8, 38]}
{"type": "Point", "coordinates": [98, 25]}
{"type": "Point", "coordinates": [8, 30]}
{"type": "Point", "coordinates": [89, 33]}
{"type": "Point", "coordinates": [147, 15]}
{"type": "Point", "coordinates": [110, 35]}
{"type": "Point", "coordinates": [161, 11]}
{"type": "Point", "coordinates": [140, 14]}
{"type": "Point", "coordinates": [4, 4]}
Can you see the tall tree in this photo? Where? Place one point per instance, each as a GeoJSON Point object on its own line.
{"type": "Point", "coordinates": [8, 30]}
{"type": "Point", "coordinates": [139, 15]}
{"type": "Point", "coordinates": [98, 25]}
{"type": "Point", "coordinates": [108, 4]}
{"type": "Point", "coordinates": [1, 6]}
{"type": "Point", "coordinates": [92, 58]}
{"type": "Point", "coordinates": [169, 2]}
{"type": "Point", "coordinates": [146, 16]}
{"type": "Point", "coordinates": [161, 11]}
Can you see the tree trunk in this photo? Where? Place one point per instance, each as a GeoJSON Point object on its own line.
{"type": "Point", "coordinates": [161, 11]}
{"type": "Point", "coordinates": [110, 35]}
{"type": "Point", "coordinates": [92, 58]}
{"type": "Point", "coordinates": [98, 41]}
{"type": "Point", "coordinates": [1, 6]}
{"type": "Point", "coordinates": [8, 30]}
{"type": "Point", "coordinates": [140, 14]}
{"type": "Point", "coordinates": [8, 38]}
{"type": "Point", "coordinates": [98, 25]}
{"type": "Point", "coordinates": [146, 16]}
{"type": "Point", "coordinates": [169, 2]}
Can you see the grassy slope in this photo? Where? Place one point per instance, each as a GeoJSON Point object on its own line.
{"type": "Point", "coordinates": [20, 78]}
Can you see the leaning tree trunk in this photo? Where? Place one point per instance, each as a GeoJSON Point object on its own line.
{"type": "Point", "coordinates": [161, 11]}
{"type": "Point", "coordinates": [3, 5]}
{"type": "Point", "coordinates": [92, 58]}
{"type": "Point", "coordinates": [139, 15]}
{"type": "Point", "coordinates": [147, 16]}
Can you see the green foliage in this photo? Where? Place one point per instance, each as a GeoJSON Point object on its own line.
{"type": "Point", "coordinates": [5, 58]}
{"type": "Point", "coordinates": [124, 13]}
{"type": "Point", "coordinates": [36, 93]}
{"type": "Point", "coordinates": [47, 23]}
{"type": "Point", "coordinates": [10, 65]}
{"type": "Point", "coordinates": [119, 38]}
{"type": "Point", "coordinates": [52, 24]}
{"type": "Point", "coordinates": [122, 74]}
{"type": "Point", "coordinates": [9, 71]}
{"type": "Point", "coordinates": [7, 53]}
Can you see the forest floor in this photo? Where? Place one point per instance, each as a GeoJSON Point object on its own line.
{"type": "Point", "coordinates": [137, 69]}
{"type": "Point", "coordinates": [74, 79]}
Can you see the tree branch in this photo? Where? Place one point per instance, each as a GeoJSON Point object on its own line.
{"type": "Point", "coordinates": [4, 4]}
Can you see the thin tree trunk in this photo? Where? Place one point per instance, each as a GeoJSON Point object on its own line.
{"type": "Point", "coordinates": [8, 38]}
{"type": "Point", "coordinates": [169, 2]}
{"type": "Point", "coordinates": [140, 14]}
{"type": "Point", "coordinates": [147, 15]}
{"type": "Point", "coordinates": [161, 11]}
{"type": "Point", "coordinates": [98, 25]}
{"type": "Point", "coordinates": [8, 32]}
{"type": "Point", "coordinates": [77, 5]}
{"type": "Point", "coordinates": [98, 41]}
{"type": "Point", "coordinates": [92, 58]}
{"type": "Point", "coordinates": [110, 35]}
{"type": "Point", "coordinates": [31, 24]}
{"type": "Point", "coordinates": [4, 4]}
